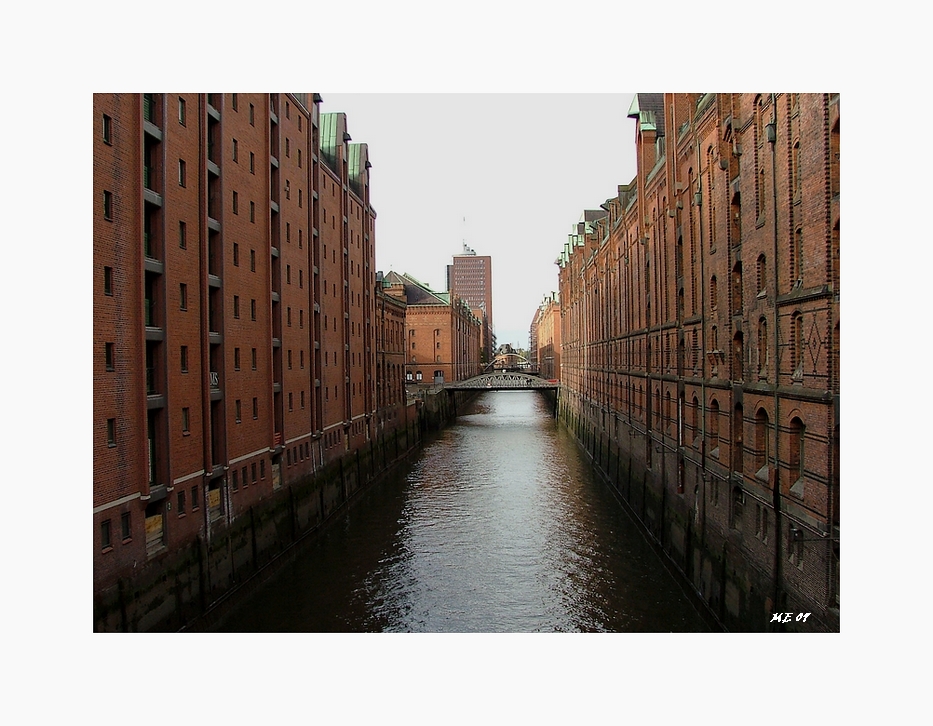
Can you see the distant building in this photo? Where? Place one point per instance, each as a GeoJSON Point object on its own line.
{"type": "Point", "coordinates": [443, 333]}
{"type": "Point", "coordinates": [391, 338]}
{"type": "Point", "coordinates": [544, 336]}
{"type": "Point", "coordinates": [469, 277]}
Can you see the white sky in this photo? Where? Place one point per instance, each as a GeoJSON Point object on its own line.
{"type": "Point", "coordinates": [519, 168]}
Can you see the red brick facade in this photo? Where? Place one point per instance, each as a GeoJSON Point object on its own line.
{"type": "Point", "coordinates": [234, 314]}
{"type": "Point", "coordinates": [700, 323]}
{"type": "Point", "coordinates": [444, 336]}
{"type": "Point", "coordinates": [544, 337]}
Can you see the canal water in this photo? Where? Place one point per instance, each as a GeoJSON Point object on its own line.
{"type": "Point", "coordinates": [500, 525]}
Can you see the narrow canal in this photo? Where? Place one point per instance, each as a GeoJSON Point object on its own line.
{"type": "Point", "coordinates": [498, 526]}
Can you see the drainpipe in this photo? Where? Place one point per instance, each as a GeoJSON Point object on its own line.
{"type": "Point", "coordinates": [776, 488]}
{"type": "Point", "coordinates": [698, 201]}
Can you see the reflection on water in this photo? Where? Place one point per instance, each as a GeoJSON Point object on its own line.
{"type": "Point", "coordinates": [499, 526]}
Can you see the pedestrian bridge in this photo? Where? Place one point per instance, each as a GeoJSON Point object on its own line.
{"type": "Point", "coordinates": [502, 381]}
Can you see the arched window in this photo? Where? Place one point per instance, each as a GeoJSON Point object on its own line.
{"type": "Point", "coordinates": [737, 508]}
{"type": "Point", "coordinates": [737, 289]}
{"type": "Point", "coordinates": [713, 293]}
{"type": "Point", "coordinates": [796, 259]}
{"type": "Point", "coordinates": [834, 160]}
{"type": "Point", "coordinates": [795, 169]}
{"type": "Point", "coordinates": [796, 360]}
{"type": "Point", "coordinates": [797, 430]}
{"type": "Point", "coordinates": [695, 420]}
{"type": "Point", "coordinates": [762, 445]}
{"type": "Point", "coordinates": [735, 221]}
{"type": "Point", "coordinates": [738, 438]}
{"type": "Point", "coordinates": [738, 357]}
{"type": "Point", "coordinates": [714, 428]}
{"type": "Point", "coordinates": [761, 275]}
{"type": "Point", "coordinates": [762, 348]}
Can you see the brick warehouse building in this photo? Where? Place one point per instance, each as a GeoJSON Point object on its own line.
{"type": "Point", "coordinates": [544, 338]}
{"type": "Point", "coordinates": [234, 254]}
{"type": "Point", "coordinates": [700, 324]}
{"type": "Point", "coordinates": [444, 336]}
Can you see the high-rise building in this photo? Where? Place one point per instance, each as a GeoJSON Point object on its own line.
{"type": "Point", "coordinates": [469, 277]}
{"type": "Point", "coordinates": [234, 285]}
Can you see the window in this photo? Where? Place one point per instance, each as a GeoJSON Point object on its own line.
{"type": "Point", "coordinates": [234, 100]}
{"type": "Point", "coordinates": [287, 148]}
{"type": "Point", "coordinates": [252, 212]}
{"type": "Point", "coordinates": [108, 129]}
{"type": "Point", "coordinates": [183, 235]}
{"type": "Point", "coordinates": [185, 419]}
{"type": "Point", "coordinates": [184, 359]}
{"type": "Point", "coordinates": [236, 247]}
{"type": "Point", "coordinates": [182, 175]}
{"type": "Point", "coordinates": [255, 407]}
{"type": "Point", "coordinates": [181, 111]}
{"type": "Point", "coordinates": [252, 309]}
{"type": "Point", "coordinates": [243, 476]}
{"type": "Point", "coordinates": [288, 317]}
{"type": "Point", "coordinates": [252, 163]}
{"type": "Point", "coordinates": [237, 410]}
{"type": "Point", "coordinates": [290, 400]}
{"type": "Point", "coordinates": [762, 444]}
{"type": "Point", "coordinates": [236, 306]}
{"type": "Point", "coordinates": [236, 359]}
{"type": "Point", "coordinates": [289, 359]}
{"type": "Point", "coordinates": [301, 358]}
{"type": "Point", "coordinates": [126, 531]}
{"type": "Point", "coordinates": [299, 158]}
{"type": "Point", "coordinates": [105, 543]}
{"type": "Point", "coordinates": [797, 431]}
{"type": "Point", "coordinates": [738, 503]}
{"type": "Point", "coordinates": [301, 283]}
{"type": "Point", "coordinates": [108, 205]}
{"type": "Point", "coordinates": [262, 469]}
{"type": "Point", "coordinates": [111, 432]}
{"type": "Point", "coordinates": [252, 259]}
{"type": "Point", "coordinates": [288, 274]}
{"type": "Point", "coordinates": [252, 117]}
{"type": "Point", "coordinates": [254, 472]}
{"type": "Point", "coordinates": [714, 293]}
{"type": "Point", "coordinates": [762, 275]}
{"type": "Point", "coordinates": [236, 203]}
{"type": "Point", "coordinates": [236, 480]}
{"type": "Point", "coordinates": [301, 318]}
{"type": "Point", "coordinates": [183, 296]}
{"type": "Point", "coordinates": [235, 150]}
{"type": "Point", "coordinates": [108, 356]}
{"type": "Point", "coordinates": [108, 280]}
{"type": "Point", "coordinates": [796, 360]}
{"type": "Point", "coordinates": [194, 497]}
{"type": "Point", "coordinates": [254, 359]}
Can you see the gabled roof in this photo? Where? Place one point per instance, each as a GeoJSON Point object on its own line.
{"type": "Point", "coordinates": [416, 292]}
{"type": "Point", "coordinates": [648, 109]}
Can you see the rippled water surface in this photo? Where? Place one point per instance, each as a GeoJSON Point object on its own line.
{"type": "Point", "coordinates": [499, 526]}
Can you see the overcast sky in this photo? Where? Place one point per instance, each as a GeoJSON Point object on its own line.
{"type": "Point", "coordinates": [519, 168]}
